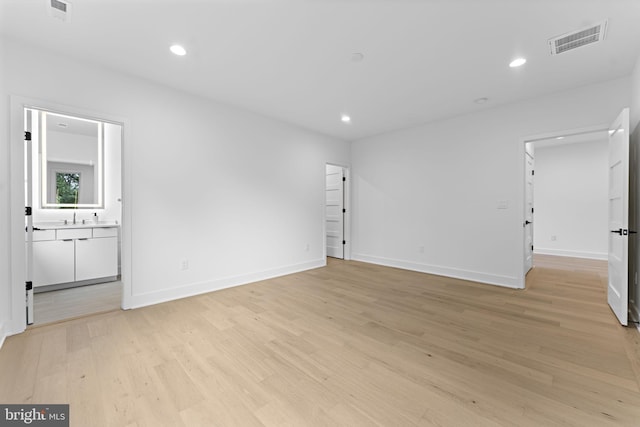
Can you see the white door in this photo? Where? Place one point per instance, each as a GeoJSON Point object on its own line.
{"type": "Point", "coordinates": [528, 210]}
{"type": "Point", "coordinates": [617, 290]}
{"type": "Point", "coordinates": [28, 203]}
{"type": "Point", "coordinates": [335, 211]}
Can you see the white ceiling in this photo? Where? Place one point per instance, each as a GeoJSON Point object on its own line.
{"type": "Point", "coordinates": [291, 59]}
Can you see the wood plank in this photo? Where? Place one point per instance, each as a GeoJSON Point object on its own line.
{"type": "Point", "coordinates": [347, 344]}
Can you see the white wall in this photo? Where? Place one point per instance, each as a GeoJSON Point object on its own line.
{"type": "Point", "coordinates": [570, 199]}
{"type": "Point", "coordinates": [112, 174]}
{"type": "Point", "coordinates": [236, 194]}
{"type": "Point", "coordinates": [634, 114]}
{"type": "Point", "coordinates": [5, 242]}
{"type": "Point", "coordinates": [72, 148]}
{"type": "Point", "coordinates": [439, 185]}
{"type": "Point", "coordinates": [634, 291]}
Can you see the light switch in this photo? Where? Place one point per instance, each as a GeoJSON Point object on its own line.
{"type": "Point", "coordinates": [503, 204]}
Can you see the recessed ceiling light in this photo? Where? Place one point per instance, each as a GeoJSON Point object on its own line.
{"type": "Point", "coordinates": [517, 62]}
{"type": "Point", "coordinates": [178, 50]}
{"type": "Point", "coordinates": [345, 118]}
{"type": "Point", "coordinates": [560, 137]}
{"type": "Point", "coordinates": [480, 100]}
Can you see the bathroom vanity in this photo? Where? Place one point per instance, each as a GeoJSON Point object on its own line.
{"type": "Point", "coordinates": [74, 254]}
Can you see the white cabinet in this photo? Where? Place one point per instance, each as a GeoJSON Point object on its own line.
{"type": "Point", "coordinates": [53, 262]}
{"type": "Point", "coordinates": [96, 258]}
{"type": "Point", "coordinates": [74, 233]}
{"type": "Point", "coordinates": [39, 235]}
{"type": "Point", "coordinates": [74, 254]}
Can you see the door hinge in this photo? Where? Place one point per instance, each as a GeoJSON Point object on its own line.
{"type": "Point", "coordinates": [344, 178]}
{"type": "Point", "coordinates": [344, 211]}
{"type": "Point", "coordinates": [27, 211]}
{"type": "Point", "coordinates": [27, 136]}
{"type": "Point", "coordinates": [531, 248]}
{"type": "Point", "coordinates": [531, 210]}
{"type": "Point", "coordinates": [28, 285]}
{"type": "Point", "coordinates": [533, 172]}
{"type": "Point", "coordinates": [344, 242]}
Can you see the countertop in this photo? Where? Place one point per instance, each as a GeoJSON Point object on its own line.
{"type": "Point", "coordinates": [58, 225]}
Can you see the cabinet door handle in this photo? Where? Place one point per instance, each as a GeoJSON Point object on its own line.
{"type": "Point", "coordinates": [84, 238]}
{"type": "Point", "coordinates": [67, 240]}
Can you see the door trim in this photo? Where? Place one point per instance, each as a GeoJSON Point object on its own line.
{"type": "Point", "coordinates": [17, 321]}
{"type": "Point", "coordinates": [528, 232]}
{"type": "Point", "coordinates": [347, 207]}
{"type": "Point", "coordinates": [523, 182]}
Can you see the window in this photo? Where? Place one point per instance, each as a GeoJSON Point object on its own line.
{"type": "Point", "coordinates": [67, 187]}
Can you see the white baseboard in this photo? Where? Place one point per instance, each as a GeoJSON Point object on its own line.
{"type": "Point", "coordinates": [3, 334]}
{"type": "Point", "coordinates": [192, 289]}
{"type": "Point", "coordinates": [573, 254]}
{"type": "Point", "coordinates": [475, 276]}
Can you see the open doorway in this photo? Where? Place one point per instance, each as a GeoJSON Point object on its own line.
{"type": "Point", "coordinates": [337, 212]}
{"type": "Point", "coordinates": [570, 195]}
{"type": "Point", "coordinates": [621, 199]}
{"type": "Point", "coordinates": [73, 202]}
{"type": "Point", "coordinates": [565, 195]}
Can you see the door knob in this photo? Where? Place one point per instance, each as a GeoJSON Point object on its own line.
{"type": "Point", "coordinates": [619, 231]}
{"type": "Point", "coordinates": [528, 222]}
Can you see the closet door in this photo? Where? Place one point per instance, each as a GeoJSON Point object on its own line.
{"type": "Point", "coordinates": [334, 211]}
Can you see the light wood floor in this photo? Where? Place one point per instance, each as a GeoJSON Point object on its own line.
{"type": "Point", "coordinates": [577, 265]}
{"type": "Point", "coordinates": [69, 303]}
{"type": "Point", "coordinates": [351, 344]}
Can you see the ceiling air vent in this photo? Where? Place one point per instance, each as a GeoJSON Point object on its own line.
{"type": "Point", "coordinates": [60, 9]}
{"type": "Point", "coordinates": [576, 39]}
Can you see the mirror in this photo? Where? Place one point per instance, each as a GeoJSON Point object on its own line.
{"type": "Point", "coordinates": [71, 154]}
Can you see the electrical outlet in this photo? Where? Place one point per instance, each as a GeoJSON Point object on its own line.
{"type": "Point", "coordinates": [554, 238]}
{"type": "Point", "coordinates": [184, 264]}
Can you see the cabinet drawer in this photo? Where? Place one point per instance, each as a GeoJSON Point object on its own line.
{"type": "Point", "coordinates": [105, 232]}
{"type": "Point", "coordinates": [41, 235]}
{"type": "Point", "coordinates": [74, 233]}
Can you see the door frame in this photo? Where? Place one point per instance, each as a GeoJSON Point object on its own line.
{"type": "Point", "coordinates": [347, 207]}
{"type": "Point", "coordinates": [17, 322]}
{"type": "Point", "coordinates": [523, 202]}
{"type": "Point", "coordinates": [528, 232]}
